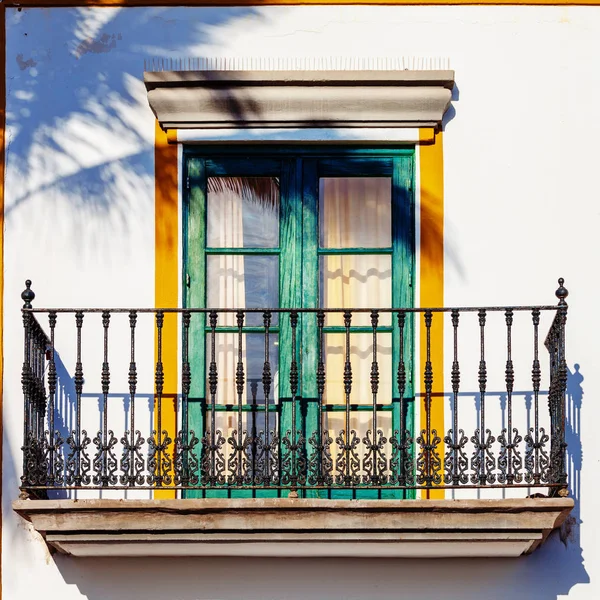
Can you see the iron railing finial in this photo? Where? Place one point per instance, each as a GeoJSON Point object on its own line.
{"type": "Point", "coordinates": [562, 292]}
{"type": "Point", "coordinates": [27, 295]}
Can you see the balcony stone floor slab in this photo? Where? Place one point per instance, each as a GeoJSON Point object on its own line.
{"type": "Point", "coordinates": [286, 527]}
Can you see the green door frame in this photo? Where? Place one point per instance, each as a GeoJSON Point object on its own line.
{"type": "Point", "coordinates": [298, 169]}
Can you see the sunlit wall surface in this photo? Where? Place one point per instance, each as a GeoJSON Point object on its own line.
{"type": "Point", "coordinates": [521, 209]}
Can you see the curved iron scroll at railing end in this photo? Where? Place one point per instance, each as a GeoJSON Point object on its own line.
{"type": "Point", "coordinates": [557, 394]}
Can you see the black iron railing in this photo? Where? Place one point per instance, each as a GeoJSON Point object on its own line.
{"type": "Point", "coordinates": [292, 421]}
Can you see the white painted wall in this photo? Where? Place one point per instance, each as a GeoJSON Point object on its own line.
{"type": "Point", "coordinates": [520, 211]}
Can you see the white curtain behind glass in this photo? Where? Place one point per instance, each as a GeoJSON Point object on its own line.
{"type": "Point", "coordinates": [226, 289]}
{"type": "Point", "coordinates": [356, 213]}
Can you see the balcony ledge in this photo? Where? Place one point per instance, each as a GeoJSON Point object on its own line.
{"type": "Point", "coordinates": [296, 527]}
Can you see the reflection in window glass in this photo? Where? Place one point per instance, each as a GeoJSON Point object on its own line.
{"type": "Point", "coordinates": [253, 357]}
{"type": "Point", "coordinates": [242, 212]}
{"type": "Point", "coordinates": [361, 356]}
{"type": "Point", "coordinates": [356, 281]}
{"type": "Point", "coordinates": [238, 281]}
{"type": "Point", "coordinates": [355, 212]}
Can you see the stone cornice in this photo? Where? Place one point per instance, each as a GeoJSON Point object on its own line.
{"type": "Point", "coordinates": [299, 99]}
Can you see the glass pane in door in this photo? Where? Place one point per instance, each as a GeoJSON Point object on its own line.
{"type": "Point", "coordinates": [355, 212]}
{"type": "Point", "coordinates": [242, 212]}
{"type": "Point", "coordinates": [356, 281]}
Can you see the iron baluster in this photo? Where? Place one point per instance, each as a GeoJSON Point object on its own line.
{"type": "Point", "coordinates": [321, 378]}
{"type": "Point", "coordinates": [256, 442]}
{"type": "Point", "coordinates": [536, 457]}
{"type": "Point", "coordinates": [187, 440]}
{"type": "Point", "coordinates": [132, 380]}
{"type": "Point", "coordinates": [42, 348]}
{"type": "Point", "coordinates": [237, 460]}
{"type": "Point", "coordinates": [428, 462]}
{"type": "Point", "coordinates": [510, 377]}
{"type": "Point", "coordinates": [105, 462]}
{"type": "Point", "coordinates": [191, 461]}
{"type": "Point", "coordinates": [159, 462]}
{"type": "Point", "coordinates": [343, 441]}
{"type": "Point", "coordinates": [400, 466]}
{"type": "Point", "coordinates": [266, 382]}
{"type": "Point", "coordinates": [456, 459]}
{"type": "Point", "coordinates": [293, 464]}
{"type": "Point", "coordinates": [347, 462]}
{"type": "Point", "coordinates": [132, 462]}
{"type": "Point", "coordinates": [237, 463]}
{"type": "Point", "coordinates": [374, 389]}
{"type": "Point", "coordinates": [105, 388]}
{"type": "Point", "coordinates": [428, 389]}
{"type": "Point", "coordinates": [79, 477]}
{"type": "Point", "coordinates": [509, 460]}
{"type": "Point", "coordinates": [213, 378]}
{"type": "Point", "coordinates": [482, 387]}
{"type": "Point", "coordinates": [154, 441]}
{"type": "Point", "coordinates": [536, 379]}
{"type": "Point", "coordinates": [294, 390]}
{"type": "Point", "coordinates": [213, 463]}
{"type": "Point", "coordinates": [347, 391]}
{"type": "Point", "coordinates": [375, 463]}
{"type": "Point", "coordinates": [321, 465]}
{"type": "Point", "coordinates": [298, 462]}
{"type": "Point", "coordinates": [482, 462]}
{"type": "Point", "coordinates": [78, 463]}
{"type": "Point", "coordinates": [55, 463]}
{"type": "Point", "coordinates": [240, 380]}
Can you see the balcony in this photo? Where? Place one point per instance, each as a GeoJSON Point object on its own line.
{"type": "Point", "coordinates": [294, 432]}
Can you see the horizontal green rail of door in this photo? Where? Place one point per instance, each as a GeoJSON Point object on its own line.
{"type": "Point", "coordinates": [302, 371]}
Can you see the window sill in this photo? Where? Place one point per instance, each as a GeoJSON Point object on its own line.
{"type": "Point", "coordinates": [296, 527]}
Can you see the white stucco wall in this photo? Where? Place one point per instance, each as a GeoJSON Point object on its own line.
{"type": "Point", "coordinates": [520, 210]}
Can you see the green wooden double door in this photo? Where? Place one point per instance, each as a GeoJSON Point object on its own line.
{"type": "Point", "coordinates": [268, 228]}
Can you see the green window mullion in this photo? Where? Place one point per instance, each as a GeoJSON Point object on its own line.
{"type": "Point", "coordinates": [403, 244]}
{"type": "Point", "coordinates": [310, 299]}
{"type": "Point", "coordinates": [195, 295]}
{"type": "Point", "coordinates": [290, 273]}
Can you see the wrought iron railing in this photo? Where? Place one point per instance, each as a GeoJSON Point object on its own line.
{"type": "Point", "coordinates": [294, 424]}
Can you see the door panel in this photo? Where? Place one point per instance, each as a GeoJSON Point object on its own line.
{"type": "Point", "coordinates": [358, 243]}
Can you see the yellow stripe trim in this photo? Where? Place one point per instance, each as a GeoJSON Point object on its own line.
{"type": "Point", "coordinates": [172, 136]}
{"type": "Point", "coordinates": [431, 271]}
{"type": "Point", "coordinates": [431, 277]}
{"type": "Point", "coordinates": [166, 230]}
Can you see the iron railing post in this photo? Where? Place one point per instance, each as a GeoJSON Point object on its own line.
{"type": "Point", "coordinates": [559, 461]}
{"type": "Point", "coordinates": [26, 381]}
